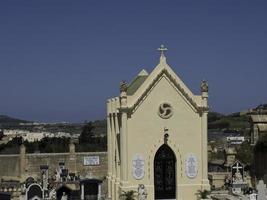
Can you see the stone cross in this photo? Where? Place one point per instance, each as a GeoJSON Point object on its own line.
{"type": "Point", "coordinates": [237, 174]}
{"type": "Point", "coordinates": [162, 49]}
{"type": "Point", "coordinates": [261, 187]}
{"type": "Point", "coordinates": [237, 167]}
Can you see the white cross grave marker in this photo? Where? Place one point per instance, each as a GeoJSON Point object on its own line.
{"type": "Point", "coordinates": [238, 175]}
{"type": "Point", "coordinates": [238, 166]}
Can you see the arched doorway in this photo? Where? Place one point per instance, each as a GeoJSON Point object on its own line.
{"type": "Point", "coordinates": [90, 189]}
{"type": "Point", "coordinates": [165, 173]}
{"type": "Point", "coordinates": [34, 192]}
{"type": "Point", "coordinates": [63, 191]}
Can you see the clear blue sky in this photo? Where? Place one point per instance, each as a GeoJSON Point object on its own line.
{"type": "Point", "coordinates": [61, 60]}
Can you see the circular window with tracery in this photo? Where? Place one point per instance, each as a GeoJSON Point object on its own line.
{"type": "Point", "coordinates": [165, 110]}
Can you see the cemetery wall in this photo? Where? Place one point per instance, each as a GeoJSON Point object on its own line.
{"type": "Point", "coordinates": [9, 165]}
{"type": "Point", "coordinates": [21, 166]}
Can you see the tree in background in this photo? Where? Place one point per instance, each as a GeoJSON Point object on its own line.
{"type": "Point", "coordinates": [213, 116]}
{"type": "Point", "coordinates": [87, 134]}
{"type": "Point", "coordinates": [12, 147]}
{"type": "Point", "coordinates": [89, 141]}
{"type": "Point", "coordinates": [245, 153]}
{"type": "Point", "coordinates": [260, 158]}
{"type": "Point", "coordinates": [48, 145]}
{"type": "Point", "coordinates": [51, 145]}
{"type": "Point", "coordinates": [1, 135]}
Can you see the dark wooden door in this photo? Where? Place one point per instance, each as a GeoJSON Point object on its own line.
{"type": "Point", "coordinates": [164, 173]}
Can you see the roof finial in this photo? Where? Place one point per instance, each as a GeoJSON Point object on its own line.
{"type": "Point", "coordinates": [162, 49]}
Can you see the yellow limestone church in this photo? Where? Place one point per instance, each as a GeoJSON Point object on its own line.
{"type": "Point", "coordinates": [157, 137]}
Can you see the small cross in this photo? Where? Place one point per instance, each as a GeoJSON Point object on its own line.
{"type": "Point", "coordinates": [162, 49]}
{"type": "Point", "coordinates": [238, 167]}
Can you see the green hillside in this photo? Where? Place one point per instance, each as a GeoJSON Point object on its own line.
{"type": "Point", "coordinates": [234, 122]}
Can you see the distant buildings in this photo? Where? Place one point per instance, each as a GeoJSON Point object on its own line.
{"type": "Point", "coordinates": [35, 136]}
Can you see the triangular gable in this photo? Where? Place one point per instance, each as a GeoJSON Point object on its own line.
{"type": "Point", "coordinates": [162, 69]}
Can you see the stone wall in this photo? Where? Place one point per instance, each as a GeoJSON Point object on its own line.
{"type": "Point", "coordinates": [21, 166]}
{"type": "Point", "coordinates": [9, 166]}
{"type": "Point", "coordinates": [33, 162]}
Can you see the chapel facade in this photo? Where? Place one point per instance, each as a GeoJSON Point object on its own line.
{"type": "Point", "coordinates": [157, 137]}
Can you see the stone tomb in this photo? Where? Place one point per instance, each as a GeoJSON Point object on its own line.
{"type": "Point", "coordinates": [261, 187]}
{"type": "Point", "coordinates": [157, 137]}
{"type": "Point", "coordinates": [238, 183]}
{"type": "Point", "coordinates": [237, 172]}
{"type": "Point", "coordinates": [90, 189]}
{"type": "Point", "coordinates": [34, 192]}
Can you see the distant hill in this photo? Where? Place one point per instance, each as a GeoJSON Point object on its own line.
{"type": "Point", "coordinates": [238, 121]}
{"type": "Point", "coordinates": [9, 121]}
{"type": "Point", "coordinates": [228, 123]}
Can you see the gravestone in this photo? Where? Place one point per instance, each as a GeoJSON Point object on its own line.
{"type": "Point", "coordinates": [237, 178]}
{"type": "Point", "coordinates": [261, 187]}
{"type": "Point", "coordinates": [253, 196]}
{"type": "Point", "coordinates": [237, 172]}
{"type": "Point", "coordinates": [44, 173]}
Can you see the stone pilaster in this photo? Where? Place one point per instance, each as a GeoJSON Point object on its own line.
{"type": "Point", "coordinates": [109, 150]}
{"type": "Point", "coordinates": [204, 130]}
{"type": "Point", "coordinates": [123, 134]}
{"type": "Point", "coordinates": [255, 134]}
{"type": "Point", "coordinates": [117, 161]}
{"type": "Point", "coordinates": [113, 144]}
{"type": "Point", "coordinates": [72, 153]}
{"type": "Point", "coordinates": [22, 162]}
